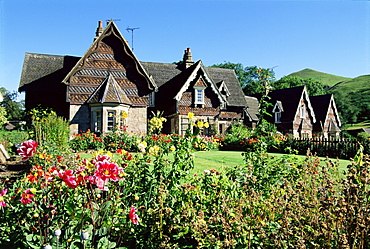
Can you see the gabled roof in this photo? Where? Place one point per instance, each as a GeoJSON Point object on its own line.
{"type": "Point", "coordinates": [110, 29]}
{"type": "Point", "coordinates": [321, 105]}
{"type": "Point", "coordinates": [164, 73]}
{"type": "Point", "coordinates": [37, 67]}
{"type": "Point", "coordinates": [236, 97]}
{"type": "Point", "coordinates": [191, 73]}
{"type": "Point", "coordinates": [109, 92]}
{"type": "Point", "coordinates": [252, 109]}
{"type": "Point", "coordinates": [290, 99]}
{"type": "Point", "coordinates": [278, 107]}
{"type": "Point", "coordinates": [222, 87]}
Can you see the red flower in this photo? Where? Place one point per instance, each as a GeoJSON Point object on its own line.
{"type": "Point", "coordinates": [2, 202]}
{"type": "Point", "coordinates": [27, 149]}
{"type": "Point", "coordinates": [27, 196]}
{"type": "Point", "coordinates": [106, 170]}
{"type": "Point", "coordinates": [133, 216]}
{"type": "Point", "coordinates": [68, 177]}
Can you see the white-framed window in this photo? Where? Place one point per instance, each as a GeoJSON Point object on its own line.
{"type": "Point", "coordinates": [277, 117]}
{"type": "Point", "coordinates": [111, 120]}
{"type": "Point", "coordinates": [199, 95]}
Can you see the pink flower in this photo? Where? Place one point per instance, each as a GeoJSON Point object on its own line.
{"type": "Point", "coordinates": [102, 157]}
{"type": "Point", "coordinates": [106, 170]}
{"type": "Point", "coordinates": [133, 216]}
{"type": "Point", "coordinates": [68, 177]}
{"type": "Point", "coordinates": [2, 202]}
{"type": "Point", "coordinates": [27, 149]}
{"type": "Point", "coordinates": [27, 196]}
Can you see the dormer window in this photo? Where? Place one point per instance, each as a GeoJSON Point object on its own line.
{"type": "Point", "coordinates": [277, 110]}
{"type": "Point", "coordinates": [199, 95]}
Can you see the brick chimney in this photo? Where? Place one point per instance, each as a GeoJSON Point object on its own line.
{"type": "Point", "coordinates": [99, 30]}
{"type": "Point", "coordinates": [187, 59]}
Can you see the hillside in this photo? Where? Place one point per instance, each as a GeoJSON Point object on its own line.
{"type": "Point", "coordinates": [326, 79]}
{"type": "Point", "coordinates": [359, 84]}
{"type": "Point", "coordinates": [353, 99]}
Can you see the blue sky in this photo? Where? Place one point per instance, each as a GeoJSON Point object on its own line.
{"type": "Point", "coordinates": [327, 36]}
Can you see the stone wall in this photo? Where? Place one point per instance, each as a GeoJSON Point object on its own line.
{"type": "Point", "coordinates": [80, 118]}
{"type": "Point", "coordinates": [137, 120]}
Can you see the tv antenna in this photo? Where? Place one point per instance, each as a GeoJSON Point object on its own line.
{"type": "Point", "coordinates": [132, 36]}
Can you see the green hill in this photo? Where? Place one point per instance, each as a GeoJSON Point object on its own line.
{"type": "Point", "coordinates": [326, 79]}
{"type": "Point", "coordinates": [358, 84]}
{"type": "Point", "coordinates": [353, 99]}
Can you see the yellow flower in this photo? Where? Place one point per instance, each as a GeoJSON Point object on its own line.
{"type": "Point", "coordinates": [172, 148]}
{"type": "Point", "coordinates": [32, 190]}
{"type": "Point", "coordinates": [190, 115]}
{"type": "Point", "coordinates": [154, 150]}
{"type": "Point", "coordinates": [206, 124]}
{"type": "Point", "coordinates": [124, 114]}
{"type": "Point", "coordinates": [200, 123]}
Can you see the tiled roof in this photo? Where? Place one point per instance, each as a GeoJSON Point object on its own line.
{"type": "Point", "coordinates": [230, 115]}
{"type": "Point", "coordinates": [109, 92]}
{"type": "Point", "coordinates": [236, 97]}
{"type": "Point", "coordinates": [37, 67]}
{"type": "Point", "coordinates": [252, 107]}
{"type": "Point", "coordinates": [165, 72]}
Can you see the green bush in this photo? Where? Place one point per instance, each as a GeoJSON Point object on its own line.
{"type": "Point", "coordinates": [267, 202]}
{"type": "Point", "coordinates": [10, 138]}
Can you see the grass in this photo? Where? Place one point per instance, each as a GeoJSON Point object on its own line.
{"type": "Point", "coordinates": [221, 159]}
{"type": "Point", "coordinates": [326, 79]}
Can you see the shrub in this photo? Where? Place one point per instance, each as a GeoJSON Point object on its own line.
{"type": "Point", "coordinates": [10, 138]}
{"type": "Point", "coordinates": [49, 129]}
{"type": "Point", "coordinates": [235, 136]}
{"type": "Point", "coordinates": [86, 141]}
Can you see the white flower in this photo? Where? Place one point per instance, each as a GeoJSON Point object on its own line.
{"type": "Point", "coordinates": [84, 235]}
{"type": "Point", "coordinates": [57, 232]}
{"type": "Point", "coordinates": [46, 246]}
{"type": "Point", "coordinates": [207, 172]}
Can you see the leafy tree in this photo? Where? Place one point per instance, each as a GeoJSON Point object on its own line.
{"type": "Point", "coordinates": [14, 109]}
{"type": "Point", "coordinates": [314, 87]}
{"type": "Point", "coordinates": [249, 77]}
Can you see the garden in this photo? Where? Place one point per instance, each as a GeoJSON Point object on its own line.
{"type": "Point", "coordinates": [122, 190]}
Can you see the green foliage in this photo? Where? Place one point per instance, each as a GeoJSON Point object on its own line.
{"type": "Point", "coordinates": [249, 77]}
{"type": "Point", "coordinates": [10, 138]}
{"type": "Point", "coordinates": [352, 99]}
{"type": "Point", "coordinates": [48, 129]}
{"type": "Point", "coordinates": [267, 202]}
{"type": "Point", "coordinates": [86, 141]}
{"type": "Point", "coordinates": [3, 115]}
{"type": "Point", "coordinates": [235, 135]}
{"type": "Point", "coordinates": [314, 87]}
{"type": "Point", "coordinates": [15, 109]}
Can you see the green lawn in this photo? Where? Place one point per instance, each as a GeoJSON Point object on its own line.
{"type": "Point", "coordinates": [220, 159]}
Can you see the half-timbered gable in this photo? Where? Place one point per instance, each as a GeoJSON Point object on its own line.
{"type": "Point", "coordinates": [328, 120]}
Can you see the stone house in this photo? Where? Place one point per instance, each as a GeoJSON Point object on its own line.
{"type": "Point", "coordinates": [97, 90]}
{"type": "Point", "coordinates": [292, 112]}
{"type": "Point", "coordinates": [327, 117]}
